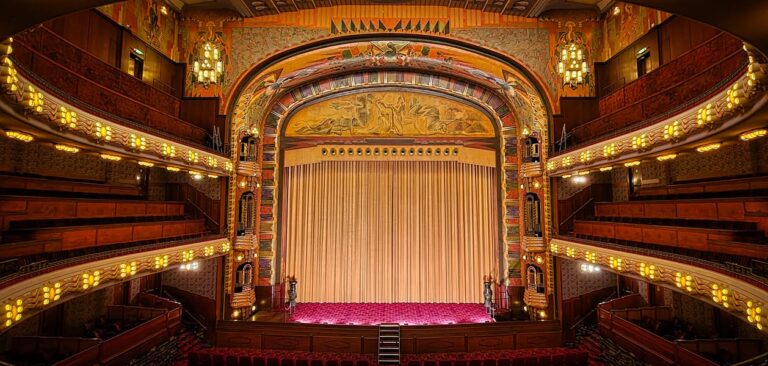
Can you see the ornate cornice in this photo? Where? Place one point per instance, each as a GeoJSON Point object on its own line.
{"type": "Point", "coordinates": [29, 296]}
{"type": "Point", "coordinates": [743, 299]}
{"type": "Point", "coordinates": [717, 114]}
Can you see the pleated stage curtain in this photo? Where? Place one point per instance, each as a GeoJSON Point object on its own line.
{"type": "Point", "coordinates": [390, 231]}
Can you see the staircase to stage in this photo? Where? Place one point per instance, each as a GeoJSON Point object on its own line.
{"type": "Point", "coordinates": [389, 344]}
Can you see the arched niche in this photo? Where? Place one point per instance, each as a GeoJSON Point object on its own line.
{"type": "Point", "coordinates": [245, 213]}
{"type": "Point", "coordinates": [532, 215]}
{"type": "Point", "coordinates": [243, 277]}
{"type": "Point", "coordinates": [531, 150]}
{"type": "Point", "coordinates": [535, 277]}
{"type": "Point", "coordinates": [249, 148]}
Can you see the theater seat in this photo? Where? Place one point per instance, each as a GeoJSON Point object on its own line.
{"type": "Point", "coordinates": [245, 360]}
{"type": "Point", "coordinates": [359, 363]}
{"type": "Point", "coordinates": [503, 362]}
{"type": "Point", "coordinates": [347, 363]}
{"type": "Point", "coordinates": [193, 359]}
{"type": "Point", "coordinates": [286, 362]}
{"type": "Point", "coordinates": [414, 363]}
{"type": "Point", "coordinates": [445, 363]}
{"type": "Point", "coordinates": [258, 361]}
{"type": "Point", "coordinates": [206, 359]}
{"type": "Point", "coordinates": [557, 360]}
{"type": "Point", "coordinates": [316, 363]}
{"type": "Point", "coordinates": [460, 363]}
{"type": "Point", "coordinates": [489, 363]}
{"type": "Point", "coordinates": [273, 362]}
{"type": "Point", "coordinates": [302, 362]}
{"type": "Point", "coordinates": [530, 361]}
{"type": "Point", "coordinates": [219, 360]}
{"type": "Point", "coordinates": [232, 360]}
{"type": "Point", "coordinates": [429, 363]}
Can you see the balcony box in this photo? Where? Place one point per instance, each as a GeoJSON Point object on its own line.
{"type": "Point", "coordinates": [245, 242]}
{"type": "Point", "coordinates": [249, 169]}
{"type": "Point", "coordinates": [534, 244]}
{"type": "Point", "coordinates": [531, 170]}
{"type": "Point", "coordinates": [535, 299]}
{"type": "Point", "coordinates": [244, 299]}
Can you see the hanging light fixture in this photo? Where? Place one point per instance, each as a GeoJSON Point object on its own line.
{"type": "Point", "coordinates": [208, 67]}
{"type": "Point", "coordinates": [572, 58]}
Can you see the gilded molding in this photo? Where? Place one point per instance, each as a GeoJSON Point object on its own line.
{"type": "Point", "coordinates": [722, 111]}
{"type": "Point", "coordinates": [729, 293]}
{"type": "Point", "coordinates": [57, 117]}
{"type": "Point", "coordinates": [32, 295]}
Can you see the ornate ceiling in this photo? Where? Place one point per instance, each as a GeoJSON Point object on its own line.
{"type": "Point", "coordinates": [527, 8]}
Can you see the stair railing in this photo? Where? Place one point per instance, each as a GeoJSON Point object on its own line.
{"type": "Point", "coordinates": [196, 202]}
{"type": "Point", "coordinates": [587, 315]}
{"type": "Point", "coordinates": [197, 321]}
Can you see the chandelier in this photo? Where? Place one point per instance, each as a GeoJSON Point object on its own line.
{"type": "Point", "coordinates": [208, 66]}
{"type": "Point", "coordinates": [571, 54]}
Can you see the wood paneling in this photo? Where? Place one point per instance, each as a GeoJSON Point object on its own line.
{"type": "Point", "coordinates": [414, 339]}
{"type": "Point", "coordinates": [702, 239]}
{"type": "Point", "coordinates": [78, 237]}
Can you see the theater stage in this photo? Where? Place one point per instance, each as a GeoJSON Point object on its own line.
{"type": "Point", "coordinates": [400, 313]}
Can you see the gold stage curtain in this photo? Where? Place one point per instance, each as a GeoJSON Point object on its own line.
{"type": "Point", "coordinates": [390, 231]}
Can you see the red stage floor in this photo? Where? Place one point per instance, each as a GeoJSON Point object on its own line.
{"type": "Point", "coordinates": [401, 313]}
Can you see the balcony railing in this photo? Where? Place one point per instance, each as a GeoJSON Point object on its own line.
{"type": "Point", "coordinates": [669, 90]}
{"type": "Point", "coordinates": [99, 88]}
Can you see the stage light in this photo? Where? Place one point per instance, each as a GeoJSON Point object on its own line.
{"type": "Point", "coordinates": [253, 308]}
{"type": "Point", "coordinates": [172, 169]}
{"type": "Point", "coordinates": [146, 164]}
{"type": "Point", "coordinates": [632, 163]}
{"type": "Point", "coordinates": [236, 313]}
{"type": "Point", "coordinates": [606, 169]}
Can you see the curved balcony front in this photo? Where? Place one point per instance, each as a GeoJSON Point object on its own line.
{"type": "Point", "coordinates": [245, 242]}
{"type": "Point", "coordinates": [534, 244]}
{"type": "Point", "coordinates": [531, 170]}
{"type": "Point", "coordinates": [244, 298]}
{"type": "Point", "coordinates": [249, 169]}
{"type": "Point", "coordinates": [535, 299]}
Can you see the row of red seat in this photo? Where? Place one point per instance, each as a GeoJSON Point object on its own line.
{"type": "Point", "coordinates": [532, 357]}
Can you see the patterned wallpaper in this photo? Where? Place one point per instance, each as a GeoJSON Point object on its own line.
{"type": "Point", "coordinates": [201, 282]}
{"type": "Point", "coordinates": [253, 44]}
{"type": "Point", "coordinates": [158, 178]}
{"type": "Point", "coordinates": [576, 283]}
{"type": "Point", "coordinates": [43, 159]}
{"type": "Point", "coordinates": [566, 188]}
{"type": "Point", "coordinates": [84, 309]}
{"type": "Point", "coordinates": [530, 46]}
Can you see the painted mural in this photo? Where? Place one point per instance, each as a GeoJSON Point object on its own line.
{"type": "Point", "coordinates": [624, 24]}
{"type": "Point", "coordinates": [389, 114]}
{"type": "Point", "coordinates": [152, 21]}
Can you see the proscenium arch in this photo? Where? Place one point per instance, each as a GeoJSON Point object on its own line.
{"type": "Point", "coordinates": [496, 142]}
{"type": "Point", "coordinates": [285, 56]}
{"type": "Point", "coordinates": [267, 83]}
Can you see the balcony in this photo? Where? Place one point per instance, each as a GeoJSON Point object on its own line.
{"type": "Point", "coordinates": [677, 86]}
{"type": "Point", "coordinates": [63, 69]}
{"type": "Point", "coordinates": [534, 244]}
{"type": "Point", "coordinates": [245, 242]}
{"type": "Point", "coordinates": [535, 299]}
{"type": "Point", "coordinates": [249, 168]}
{"type": "Point", "coordinates": [244, 299]}
{"type": "Point", "coordinates": [531, 170]}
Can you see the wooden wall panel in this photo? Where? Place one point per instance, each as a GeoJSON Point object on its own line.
{"type": "Point", "coordinates": [440, 345]}
{"type": "Point", "coordinates": [490, 343]}
{"type": "Point", "coordinates": [337, 344]}
{"type": "Point", "coordinates": [286, 342]}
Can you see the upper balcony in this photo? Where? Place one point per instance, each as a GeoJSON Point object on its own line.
{"type": "Point", "coordinates": [85, 81]}
{"type": "Point", "coordinates": [673, 88]}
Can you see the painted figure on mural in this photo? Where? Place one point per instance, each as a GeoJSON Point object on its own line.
{"type": "Point", "coordinates": [390, 114]}
{"type": "Point", "coordinates": [152, 21]}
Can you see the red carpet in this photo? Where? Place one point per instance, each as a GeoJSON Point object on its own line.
{"type": "Point", "coordinates": [401, 313]}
